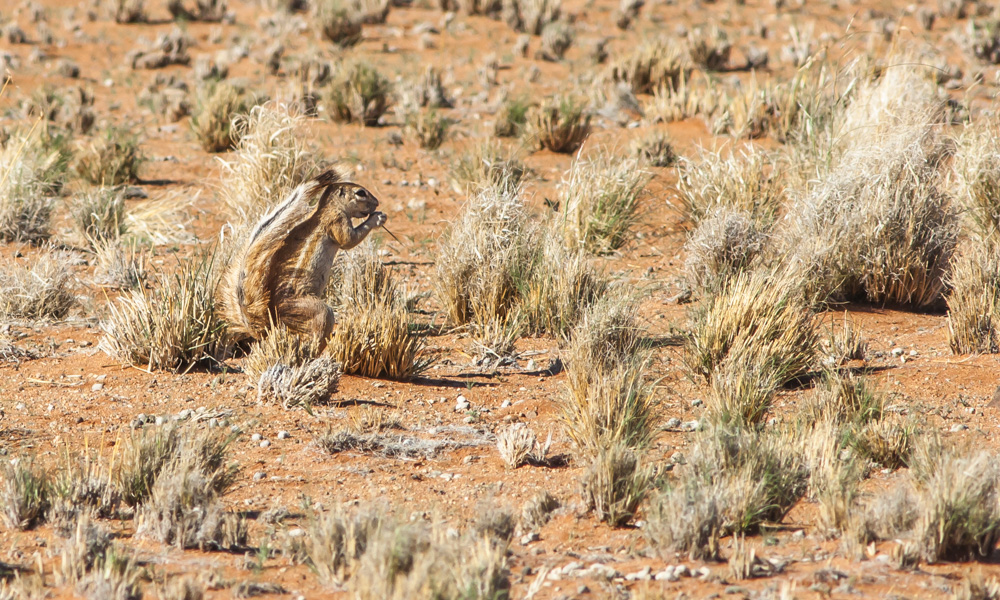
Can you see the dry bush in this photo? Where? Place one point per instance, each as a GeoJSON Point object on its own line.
{"type": "Point", "coordinates": [709, 48]}
{"type": "Point", "coordinates": [169, 48]}
{"type": "Point", "coordinates": [484, 260]}
{"type": "Point", "coordinates": [143, 458]}
{"type": "Point", "coordinates": [653, 65]}
{"type": "Point", "coordinates": [977, 164]}
{"type": "Point", "coordinates": [734, 481]}
{"type": "Point", "coordinates": [126, 11]}
{"type": "Point", "coordinates": [32, 169]}
{"type": "Point", "coordinates": [739, 393]}
{"type": "Point", "coordinates": [374, 419]}
{"type": "Point", "coordinates": [26, 492]}
{"type": "Point", "coordinates": [359, 93]}
{"type": "Point", "coordinates": [301, 385]}
{"type": "Point", "coordinates": [537, 511]}
{"type": "Point", "coordinates": [726, 242]}
{"type": "Point", "coordinates": [99, 568]}
{"type": "Point", "coordinates": [85, 545]}
{"type": "Point", "coordinates": [747, 182]}
{"type": "Point", "coordinates": [487, 164]}
{"type": "Point", "coordinates": [601, 201]}
{"type": "Point", "coordinates": [217, 105]}
{"type": "Point", "coordinates": [557, 37]}
{"type": "Point", "coordinates": [974, 301]}
{"type": "Point", "coordinates": [183, 507]}
{"type": "Point", "coordinates": [511, 118]}
{"type": "Point", "coordinates": [170, 327]}
{"type": "Point", "coordinates": [887, 442]}
{"type": "Point", "coordinates": [758, 319]}
{"type": "Point", "coordinates": [99, 216]}
{"type": "Point", "coordinates": [272, 159]}
{"type": "Point", "coordinates": [655, 149]}
{"type": "Point", "coordinates": [429, 127]}
{"type": "Point", "coordinates": [64, 109]}
{"type": "Point", "coordinates": [610, 401]}
{"type": "Point", "coordinates": [121, 265]}
{"type": "Point", "coordinates": [81, 487]}
{"type": "Point", "coordinates": [518, 446]}
{"type": "Point", "coordinates": [982, 40]}
{"type": "Point", "coordinates": [207, 11]}
{"type": "Point", "coordinates": [834, 475]}
{"type": "Point", "coordinates": [559, 125]}
{"type": "Point", "coordinates": [562, 285]}
{"type": "Point", "coordinates": [846, 399]}
{"type": "Point", "coordinates": [879, 226]}
{"type": "Point", "coordinates": [615, 484]}
{"type": "Point", "coordinates": [279, 346]}
{"type": "Point", "coordinates": [40, 289]}
{"type": "Point", "coordinates": [114, 158]}
{"type": "Point", "coordinates": [428, 91]}
{"type": "Point", "coordinates": [379, 556]}
{"type": "Point", "coordinates": [844, 344]}
{"type": "Point", "coordinates": [339, 21]}
{"type": "Point", "coordinates": [531, 16]}
{"type": "Point", "coordinates": [374, 336]}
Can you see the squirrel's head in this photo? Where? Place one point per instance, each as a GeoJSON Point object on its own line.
{"type": "Point", "coordinates": [358, 202]}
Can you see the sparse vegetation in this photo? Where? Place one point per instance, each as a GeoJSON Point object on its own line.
{"type": "Point", "coordinates": [339, 22]}
{"type": "Point", "coordinates": [654, 64]}
{"type": "Point", "coordinates": [429, 127]}
{"type": "Point", "coordinates": [99, 216]}
{"type": "Point", "coordinates": [559, 125]}
{"type": "Point", "coordinates": [26, 492]}
{"type": "Point", "coordinates": [487, 164]}
{"type": "Point", "coordinates": [218, 104]}
{"type": "Point", "coordinates": [37, 289]}
{"type": "Point", "coordinates": [359, 93]}
{"type": "Point", "coordinates": [32, 170]}
{"type": "Point", "coordinates": [114, 158]}
{"type": "Point", "coordinates": [511, 118]}
{"type": "Point", "coordinates": [615, 484]}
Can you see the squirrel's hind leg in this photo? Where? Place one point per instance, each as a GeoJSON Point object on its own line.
{"type": "Point", "coordinates": [310, 316]}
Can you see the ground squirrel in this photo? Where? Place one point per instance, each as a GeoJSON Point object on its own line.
{"type": "Point", "coordinates": [279, 273]}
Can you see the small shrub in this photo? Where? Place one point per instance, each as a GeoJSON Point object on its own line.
{"type": "Point", "coordinates": [652, 65]}
{"type": "Point", "coordinates": [886, 442]}
{"type": "Point", "coordinates": [114, 158]}
{"type": "Point", "coordinates": [121, 265]}
{"type": "Point", "coordinates": [37, 290]}
{"type": "Point", "coordinates": [428, 127]}
{"type": "Point", "coordinates": [977, 164]}
{"type": "Point", "coordinates": [531, 16]}
{"type": "Point", "coordinates": [170, 327]}
{"type": "Point", "coordinates": [740, 394]}
{"type": "Point", "coordinates": [302, 384]}
{"type": "Point", "coordinates": [280, 346]}
{"type": "Point", "coordinates": [127, 11]}
{"type": "Point", "coordinates": [844, 343]}
{"type": "Point", "coordinates": [563, 284]}
{"type": "Point", "coordinates": [709, 48]}
{"type": "Point", "coordinates": [142, 460]}
{"type": "Point", "coordinates": [487, 165]}
{"type": "Point", "coordinates": [688, 518]}
{"type": "Point", "coordinates": [846, 399]}
{"type": "Point", "coordinates": [655, 149]}
{"type": "Point", "coordinates": [974, 301]}
{"type": "Point", "coordinates": [746, 182]}
{"type": "Point", "coordinates": [26, 493]}
{"type": "Point", "coordinates": [206, 11]}
{"type": "Point", "coordinates": [212, 121]}
{"type": "Point", "coordinates": [559, 125]}
{"type": "Point", "coordinates": [557, 37]}
{"type": "Point", "coordinates": [359, 93]}
{"type": "Point", "coordinates": [601, 201]}
{"type": "Point", "coordinates": [982, 40]}
{"type": "Point", "coordinates": [99, 216]}
{"type": "Point", "coordinates": [32, 169]}
{"type": "Point", "coordinates": [518, 446]}
{"type": "Point", "coordinates": [511, 118]}
{"type": "Point", "coordinates": [537, 511]}
{"type": "Point", "coordinates": [373, 337]}
{"type": "Point", "coordinates": [615, 484]}
{"type": "Point", "coordinates": [759, 320]}
{"type": "Point", "coordinates": [726, 242]}
{"type": "Point", "coordinates": [339, 22]}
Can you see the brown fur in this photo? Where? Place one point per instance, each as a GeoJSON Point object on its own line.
{"type": "Point", "coordinates": [279, 273]}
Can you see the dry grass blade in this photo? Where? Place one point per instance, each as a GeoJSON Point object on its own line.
{"type": "Point", "coordinates": [26, 493]}
{"type": "Point", "coordinates": [745, 182]}
{"type": "Point", "coordinates": [114, 158]}
{"type": "Point", "coordinates": [32, 169]}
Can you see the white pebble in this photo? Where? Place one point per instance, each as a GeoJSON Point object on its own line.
{"type": "Point", "coordinates": [256, 437]}
{"type": "Point", "coordinates": [97, 387]}
{"type": "Point", "coordinates": [284, 435]}
{"type": "Point", "coordinates": [265, 443]}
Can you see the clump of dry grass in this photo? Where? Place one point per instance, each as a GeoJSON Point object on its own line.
{"type": "Point", "coordinates": [511, 118]}
{"type": "Point", "coordinates": [170, 327]}
{"type": "Point", "coordinates": [844, 343]}
{"type": "Point", "coordinates": [726, 242]}
{"type": "Point", "coordinates": [82, 487]}
{"type": "Point", "coordinates": [121, 265]}
{"type": "Point", "coordinates": [747, 182]}
{"type": "Point", "coordinates": [484, 260]}
{"type": "Point", "coordinates": [206, 11]}
{"type": "Point", "coordinates": [359, 93]}
{"type": "Point", "coordinates": [272, 158]}
{"type": "Point", "coordinates": [562, 285]}
{"type": "Point", "coordinates": [99, 215]}
{"type": "Point", "coordinates": [559, 125]}
{"type": "Point", "coordinates": [652, 65]}
{"type": "Point", "coordinates": [709, 48]}
{"type": "Point", "coordinates": [487, 164]}
{"type": "Point", "coordinates": [518, 446]}
{"type": "Point", "coordinates": [537, 511]}
{"type": "Point", "coordinates": [40, 289]}
{"type": "Point", "coordinates": [217, 105]}
{"type": "Point", "coordinates": [974, 301]}
{"type": "Point", "coordinates": [26, 491]}
{"type": "Point", "coordinates": [557, 38]}
{"type": "Point", "coordinates": [143, 458]}
{"type": "Point", "coordinates": [655, 149]}
{"type": "Point", "coordinates": [127, 11]}
{"type": "Point", "coordinates": [97, 566]}
{"type": "Point", "coordinates": [339, 21]}
{"type": "Point", "coordinates": [32, 169]}
{"type": "Point", "coordinates": [304, 384]}
{"type": "Point", "coordinates": [601, 201]}
{"type": "Point", "coordinates": [429, 127]}
{"type": "Point", "coordinates": [615, 484]}
{"type": "Point", "coordinates": [887, 236]}
{"type": "Point", "coordinates": [374, 336]}
{"type": "Point", "coordinates": [280, 346]}
{"type": "Point", "coordinates": [169, 48]}
{"type": "Point", "coordinates": [977, 164]}
{"type": "Point", "coordinates": [531, 16]}
{"type": "Point", "coordinates": [114, 158]}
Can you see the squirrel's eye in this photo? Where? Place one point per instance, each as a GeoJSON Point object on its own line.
{"type": "Point", "coordinates": [361, 194]}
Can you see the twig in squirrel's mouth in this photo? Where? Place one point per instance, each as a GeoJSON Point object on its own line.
{"type": "Point", "coordinates": [391, 233]}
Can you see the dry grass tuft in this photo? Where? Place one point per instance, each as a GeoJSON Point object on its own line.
{"type": "Point", "coordinates": [339, 21]}
{"type": "Point", "coordinates": [374, 336]}
{"type": "Point", "coordinates": [114, 158]}
{"type": "Point", "coordinates": [511, 118]}
{"type": "Point", "coordinates": [557, 37]}
{"type": "Point", "coordinates": [745, 182]}
{"type": "Point", "coordinates": [37, 290]}
{"type": "Point", "coordinates": [601, 201]}
{"type": "Point", "coordinates": [487, 164]}
{"type": "Point", "coordinates": [726, 242]}
{"type": "Point", "coordinates": [32, 170]}
{"type": "Point", "coordinates": [559, 125]}
{"type": "Point", "coordinates": [121, 265]}
{"type": "Point", "coordinates": [654, 64]}
{"type": "Point", "coordinates": [280, 346]}
{"type": "Point", "coordinates": [272, 158]}
{"type": "Point", "coordinates": [615, 484]}
{"type": "Point", "coordinates": [974, 301]}
{"type": "Point", "coordinates": [170, 327]}
{"type": "Point", "coordinates": [428, 127]}
{"type": "Point", "coordinates": [537, 511]}
{"type": "Point", "coordinates": [127, 11]}
{"type": "Point", "coordinates": [98, 567]}
{"type": "Point", "coordinates": [709, 48]}
{"type": "Point", "coordinates": [977, 164]}
{"type": "Point", "coordinates": [655, 149]}
{"type": "Point", "coordinates": [99, 216]}
{"type": "Point", "coordinates": [518, 446]}
{"type": "Point", "coordinates": [216, 107]}
{"type": "Point", "coordinates": [302, 385]}
{"type": "Point", "coordinates": [531, 16]}
{"type": "Point", "coordinates": [359, 93]}
{"type": "Point", "coordinates": [26, 492]}
{"type": "Point", "coordinates": [562, 285]}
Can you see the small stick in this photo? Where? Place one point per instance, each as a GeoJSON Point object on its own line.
{"type": "Point", "coordinates": [390, 233]}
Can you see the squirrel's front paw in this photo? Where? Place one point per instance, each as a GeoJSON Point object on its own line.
{"type": "Point", "coordinates": [377, 219]}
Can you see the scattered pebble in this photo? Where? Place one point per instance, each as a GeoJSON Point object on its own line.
{"type": "Point", "coordinates": [256, 437]}
{"type": "Point", "coordinates": [97, 387]}
{"type": "Point", "coordinates": [897, 352]}
{"type": "Point", "coordinates": [259, 475]}
{"type": "Point", "coordinates": [642, 575]}
{"type": "Point", "coordinates": [959, 427]}
{"type": "Point", "coordinates": [505, 404]}
{"type": "Point", "coordinates": [529, 538]}
{"type": "Point", "coordinates": [284, 435]}
{"type": "Point", "coordinates": [159, 420]}
{"type": "Point", "coordinates": [673, 423]}
{"type": "Point", "coordinates": [461, 404]}
{"type": "Point", "coordinates": [265, 443]}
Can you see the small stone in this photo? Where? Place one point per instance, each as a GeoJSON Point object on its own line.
{"type": "Point", "coordinates": [696, 402]}
{"type": "Point", "coordinates": [101, 378]}
{"type": "Point", "coordinates": [461, 404]}
{"type": "Point", "coordinates": [294, 533]}
{"type": "Point", "coordinates": [185, 414]}
{"type": "Point", "coordinates": [259, 475]}
{"type": "Point", "coordinates": [235, 429]}
{"type": "Point", "coordinates": [531, 365]}
{"type": "Point", "coordinates": [798, 536]}
{"type": "Point", "coordinates": [505, 404]}
{"type": "Point", "coordinates": [265, 443]}
{"type": "Point", "coordinates": [213, 423]}
{"type": "Point", "coordinates": [897, 352]}
{"type": "Point", "coordinates": [529, 538]}
{"type": "Point", "coordinates": [682, 571]}
{"type": "Point", "coordinates": [667, 574]}
{"type": "Point", "coordinates": [284, 435]}
{"type": "Point", "coordinates": [673, 423]}
{"type": "Point", "coordinates": [97, 387]}
{"type": "Point", "coordinates": [641, 575]}
{"type": "Point", "coordinates": [959, 427]}
{"type": "Point", "coordinates": [135, 193]}
{"type": "Point", "coordinates": [256, 437]}
{"type": "Point", "coordinates": [19, 406]}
